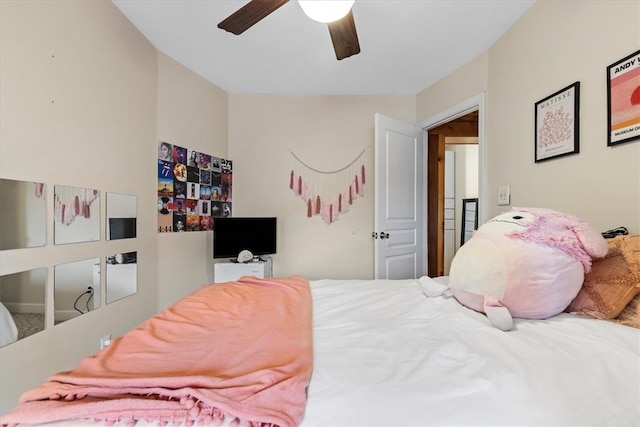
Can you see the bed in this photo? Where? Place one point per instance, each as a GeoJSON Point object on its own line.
{"type": "Point", "coordinates": [382, 353]}
{"type": "Point", "coordinates": [387, 355]}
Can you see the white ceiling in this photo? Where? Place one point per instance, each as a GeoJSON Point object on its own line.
{"type": "Point", "coordinates": [406, 45]}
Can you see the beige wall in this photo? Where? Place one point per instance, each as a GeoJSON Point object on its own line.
{"type": "Point", "coordinates": [192, 113]}
{"type": "Point", "coordinates": [553, 45]}
{"type": "Point", "coordinates": [327, 132]}
{"type": "Point", "coordinates": [78, 108]}
{"type": "Point", "coordinates": [462, 84]}
{"type": "Point", "coordinates": [85, 98]}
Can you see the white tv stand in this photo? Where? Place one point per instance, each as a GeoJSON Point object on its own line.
{"type": "Point", "coordinates": [227, 271]}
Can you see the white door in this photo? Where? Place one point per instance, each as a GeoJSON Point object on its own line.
{"type": "Point", "coordinates": [400, 211]}
{"type": "Point", "coordinates": [449, 208]}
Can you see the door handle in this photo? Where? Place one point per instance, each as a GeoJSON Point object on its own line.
{"type": "Point", "coordinates": [384, 235]}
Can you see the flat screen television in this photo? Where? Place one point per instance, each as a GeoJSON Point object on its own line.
{"type": "Point", "coordinates": [234, 234]}
{"type": "Point", "coordinates": [122, 228]}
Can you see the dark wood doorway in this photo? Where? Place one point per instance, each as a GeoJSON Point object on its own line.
{"type": "Point", "coordinates": [464, 126]}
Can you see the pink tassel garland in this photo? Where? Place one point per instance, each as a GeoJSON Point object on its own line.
{"type": "Point", "coordinates": [39, 186]}
{"type": "Point", "coordinates": [318, 206]}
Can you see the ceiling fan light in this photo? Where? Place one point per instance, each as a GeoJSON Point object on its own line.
{"type": "Point", "coordinates": [326, 10]}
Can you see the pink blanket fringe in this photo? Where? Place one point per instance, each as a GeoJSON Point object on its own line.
{"type": "Point", "coordinates": [240, 351]}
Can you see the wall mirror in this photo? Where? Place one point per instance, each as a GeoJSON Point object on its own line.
{"type": "Point", "coordinates": [23, 214]}
{"type": "Point", "coordinates": [22, 304]}
{"type": "Point", "coordinates": [469, 219]}
{"type": "Point", "coordinates": [76, 214]}
{"type": "Point", "coordinates": [122, 276]}
{"type": "Point", "coordinates": [121, 216]}
{"type": "Point", "coordinates": [76, 288]}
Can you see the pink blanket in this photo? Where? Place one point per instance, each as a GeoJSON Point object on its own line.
{"type": "Point", "coordinates": [241, 350]}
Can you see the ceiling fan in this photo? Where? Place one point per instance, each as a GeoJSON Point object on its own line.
{"type": "Point", "coordinates": [342, 31]}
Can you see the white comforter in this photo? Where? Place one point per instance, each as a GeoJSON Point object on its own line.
{"type": "Point", "coordinates": [8, 329]}
{"type": "Point", "coordinates": [386, 355]}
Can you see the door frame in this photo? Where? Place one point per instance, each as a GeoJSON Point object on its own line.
{"type": "Point", "coordinates": [476, 102]}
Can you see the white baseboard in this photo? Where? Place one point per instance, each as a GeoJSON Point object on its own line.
{"type": "Point", "coordinates": [19, 307]}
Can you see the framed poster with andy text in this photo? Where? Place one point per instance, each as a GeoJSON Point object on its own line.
{"type": "Point", "coordinates": [623, 100]}
{"type": "Point", "coordinates": [558, 124]}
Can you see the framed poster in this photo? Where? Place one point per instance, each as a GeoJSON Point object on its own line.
{"type": "Point", "coordinates": [623, 100]}
{"type": "Point", "coordinates": [557, 124]}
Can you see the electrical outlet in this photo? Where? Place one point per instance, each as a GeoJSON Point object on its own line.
{"type": "Point", "coordinates": [105, 341]}
{"type": "Point", "coordinates": [504, 195]}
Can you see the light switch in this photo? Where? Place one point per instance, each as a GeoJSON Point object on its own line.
{"type": "Point", "coordinates": [504, 195]}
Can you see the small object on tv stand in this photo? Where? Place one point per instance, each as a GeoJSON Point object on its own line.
{"type": "Point", "coordinates": [245, 256]}
{"type": "Point", "coordinates": [255, 259]}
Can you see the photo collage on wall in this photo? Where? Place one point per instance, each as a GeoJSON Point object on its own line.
{"type": "Point", "coordinates": [193, 189]}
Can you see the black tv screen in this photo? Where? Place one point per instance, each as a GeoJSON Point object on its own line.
{"type": "Point", "coordinates": [122, 228]}
{"type": "Point", "coordinates": [234, 234]}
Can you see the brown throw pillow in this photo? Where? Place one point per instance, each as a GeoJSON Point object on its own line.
{"type": "Point", "coordinates": [630, 316]}
{"type": "Point", "coordinates": [613, 281]}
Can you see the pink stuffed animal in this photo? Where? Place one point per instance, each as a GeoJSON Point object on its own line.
{"type": "Point", "coordinates": [528, 263]}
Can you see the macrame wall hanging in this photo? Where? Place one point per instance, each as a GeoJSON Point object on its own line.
{"type": "Point", "coordinates": [71, 202]}
{"type": "Point", "coordinates": [327, 193]}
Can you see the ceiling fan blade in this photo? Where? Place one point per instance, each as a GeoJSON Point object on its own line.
{"type": "Point", "coordinates": [344, 36]}
{"type": "Point", "coordinates": [249, 14]}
